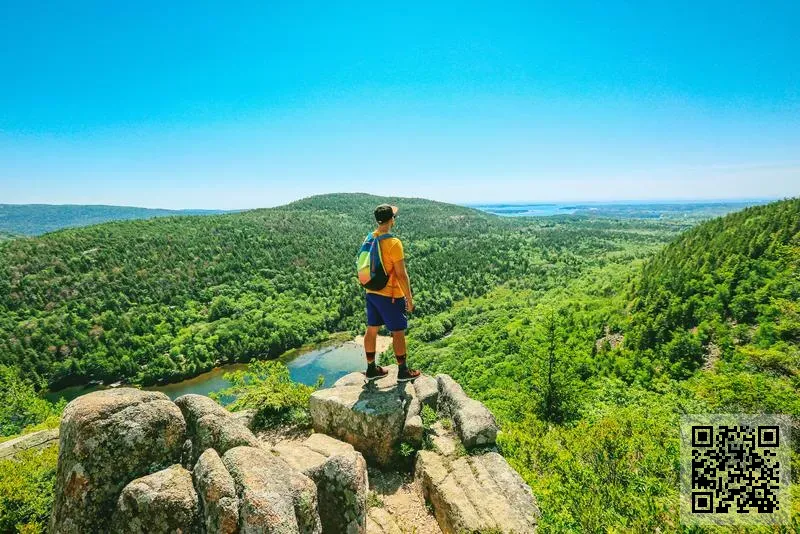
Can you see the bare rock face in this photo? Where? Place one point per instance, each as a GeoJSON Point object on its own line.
{"type": "Point", "coordinates": [273, 497]}
{"type": "Point", "coordinates": [212, 426]}
{"type": "Point", "coordinates": [413, 431]}
{"type": "Point", "coordinates": [162, 503]}
{"type": "Point", "coordinates": [35, 440]}
{"type": "Point", "coordinates": [368, 415]}
{"type": "Point", "coordinates": [476, 494]}
{"type": "Point", "coordinates": [193, 407]}
{"type": "Point", "coordinates": [107, 439]}
{"type": "Point", "coordinates": [351, 379]}
{"type": "Point", "coordinates": [380, 521]}
{"type": "Point", "coordinates": [427, 389]}
{"type": "Point", "coordinates": [473, 422]}
{"type": "Point", "coordinates": [217, 493]}
{"type": "Point", "coordinates": [340, 473]}
{"type": "Point", "coordinates": [443, 440]}
{"type": "Point", "coordinates": [246, 417]}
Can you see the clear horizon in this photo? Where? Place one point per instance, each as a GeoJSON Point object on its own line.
{"type": "Point", "coordinates": [466, 204]}
{"type": "Point", "coordinates": [203, 107]}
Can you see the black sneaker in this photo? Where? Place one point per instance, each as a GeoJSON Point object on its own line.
{"type": "Point", "coordinates": [377, 372]}
{"type": "Point", "coordinates": [408, 374]}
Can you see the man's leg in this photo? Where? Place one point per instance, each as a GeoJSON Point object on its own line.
{"type": "Point", "coordinates": [370, 342]}
{"type": "Point", "coordinates": [370, 339]}
{"type": "Point", "coordinates": [399, 344]}
{"type": "Point", "coordinates": [374, 320]}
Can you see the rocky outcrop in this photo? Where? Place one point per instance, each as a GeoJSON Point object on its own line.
{"type": "Point", "coordinates": [443, 440]}
{"type": "Point", "coordinates": [217, 493]}
{"type": "Point", "coordinates": [427, 390]}
{"type": "Point", "coordinates": [379, 521]}
{"type": "Point", "coordinates": [162, 503]}
{"type": "Point", "coordinates": [109, 438]}
{"type": "Point", "coordinates": [34, 440]}
{"type": "Point", "coordinates": [368, 415]}
{"type": "Point", "coordinates": [134, 461]}
{"type": "Point", "coordinates": [413, 431]}
{"type": "Point", "coordinates": [273, 496]}
{"type": "Point", "coordinates": [476, 494]}
{"type": "Point", "coordinates": [120, 470]}
{"type": "Point", "coordinates": [246, 417]}
{"type": "Point", "coordinates": [211, 426]}
{"type": "Point", "coordinates": [473, 422]}
{"type": "Point", "coordinates": [340, 474]}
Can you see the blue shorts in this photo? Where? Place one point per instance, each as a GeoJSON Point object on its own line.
{"type": "Point", "coordinates": [381, 310]}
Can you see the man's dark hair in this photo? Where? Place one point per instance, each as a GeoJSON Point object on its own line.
{"type": "Point", "coordinates": [384, 213]}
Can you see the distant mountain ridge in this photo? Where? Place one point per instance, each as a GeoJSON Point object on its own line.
{"type": "Point", "coordinates": [166, 298]}
{"type": "Point", "coordinates": [37, 219]}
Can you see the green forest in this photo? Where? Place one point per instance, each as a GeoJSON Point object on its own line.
{"type": "Point", "coordinates": [587, 337]}
{"type": "Point", "coordinates": [708, 324]}
{"type": "Point", "coordinates": [164, 299]}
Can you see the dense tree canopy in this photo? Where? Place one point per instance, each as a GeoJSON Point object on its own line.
{"type": "Point", "coordinates": [587, 337]}
{"type": "Point", "coordinates": [162, 299]}
{"type": "Point", "coordinates": [708, 324]}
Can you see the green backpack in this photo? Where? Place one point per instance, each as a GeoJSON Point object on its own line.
{"type": "Point", "coordinates": [369, 263]}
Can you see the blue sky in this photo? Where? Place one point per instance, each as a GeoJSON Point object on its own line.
{"type": "Point", "coordinates": [241, 105]}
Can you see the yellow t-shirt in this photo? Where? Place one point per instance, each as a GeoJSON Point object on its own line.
{"type": "Point", "coordinates": [391, 252]}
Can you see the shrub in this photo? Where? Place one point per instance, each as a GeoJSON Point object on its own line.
{"type": "Point", "coordinates": [428, 416]}
{"type": "Point", "coordinates": [20, 406]}
{"type": "Point", "coordinates": [374, 500]}
{"type": "Point", "coordinates": [267, 387]}
{"type": "Point", "coordinates": [26, 490]}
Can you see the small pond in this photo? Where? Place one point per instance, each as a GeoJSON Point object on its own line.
{"type": "Point", "coordinates": [331, 362]}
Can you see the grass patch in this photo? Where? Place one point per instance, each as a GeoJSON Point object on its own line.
{"type": "Point", "coordinates": [374, 500]}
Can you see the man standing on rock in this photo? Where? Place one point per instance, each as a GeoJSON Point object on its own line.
{"type": "Point", "coordinates": [389, 305]}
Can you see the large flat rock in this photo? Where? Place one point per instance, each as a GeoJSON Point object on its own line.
{"type": "Point", "coordinates": [476, 494]}
{"type": "Point", "coordinates": [34, 440]}
{"type": "Point", "coordinates": [370, 416]}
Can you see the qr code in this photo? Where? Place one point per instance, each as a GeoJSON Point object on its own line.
{"type": "Point", "coordinates": [735, 469]}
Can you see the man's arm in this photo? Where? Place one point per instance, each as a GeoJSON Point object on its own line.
{"type": "Point", "coordinates": [405, 283]}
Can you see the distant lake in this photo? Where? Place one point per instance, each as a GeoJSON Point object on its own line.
{"type": "Point", "coordinates": [636, 210]}
{"type": "Point", "coordinates": [527, 210]}
{"type": "Point", "coordinates": [331, 362]}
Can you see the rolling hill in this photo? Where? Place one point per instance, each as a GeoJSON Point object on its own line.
{"type": "Point", "coordinates": [37, 219]}
{"type": "Point", "coordinates": [165, 298]}
{"type": "Point", "coordinates": [587, 338]}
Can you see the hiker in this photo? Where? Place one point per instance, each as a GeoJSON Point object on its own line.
{"type": "Point", "coordinates": [382, 271]}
